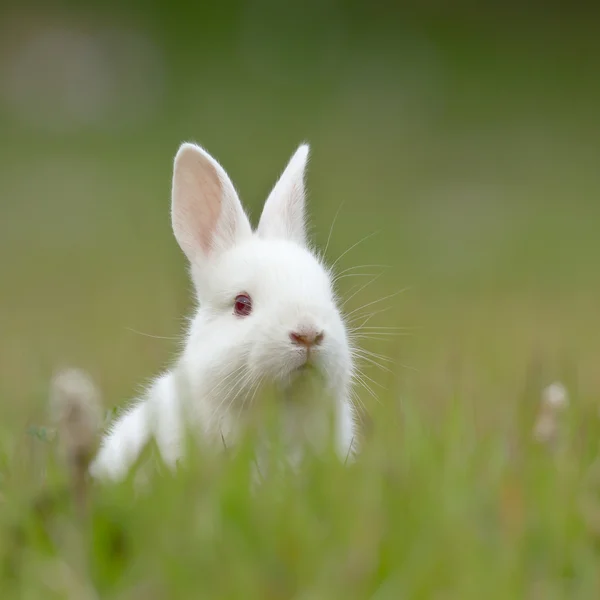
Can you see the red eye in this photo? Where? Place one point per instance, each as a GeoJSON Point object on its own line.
{"type": "Point", "coordinates": [243, 305]}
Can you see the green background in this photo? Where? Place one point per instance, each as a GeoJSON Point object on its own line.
{"type": "Point", "coordinates": [465, 137]}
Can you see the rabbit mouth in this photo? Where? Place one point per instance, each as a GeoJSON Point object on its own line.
{"type": "Point", "coordinates": [308, 365]}
{"type": "Point", "coordinates": [303, 364]}
{"type": "Point", "coordinates": [306, 383]}
{"type": "Point", "coordinates": [308, 360]}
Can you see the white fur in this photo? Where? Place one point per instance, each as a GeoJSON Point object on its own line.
{"type": "Point", "coordinates": [227, 358]}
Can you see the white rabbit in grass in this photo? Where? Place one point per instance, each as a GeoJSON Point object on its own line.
{"type": "Point", "coordinates": [266, 311]}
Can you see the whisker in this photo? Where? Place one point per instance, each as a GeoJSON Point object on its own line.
{"type": "Point", "coordinates": [379, 335]}
{"type": "Point", "coordinates": [354, 396]}
{"type": "Point", "coordinates": [370, 235]}
{"type": "Point", "coordinates": [245, 397]}
{"type": "Point", "coordinates": [375, 327]}
{"type": "Point", "coordinates": [409, 367]}
{"type": "Point", "coordinates": [373, 355]}
{"type": "Point", "coordinates": [347, 270]}
{"type": "Point", "coordinates": [353, 275]}
{"type": "Point", "coordinates": [375, 363]}
{"type": "Point", "coordinates": [238, 376]}
{"type": "Point", "coordinates": [377, 301]}
{"type": "Point", "coordinates": [368, 317]}
{"type": "Point", "coordinates": [253, 388]}
{"type": "Point", "coordinates": [242, 385]}
{"type": "Point", "coordinates": [358, 377]}
{"type": "Point", "coordinates": [360, 289]}
{"type": "Point", "coordinates": [363, 374]}
{"type": "Point", "coordinates": [337, 212]}
{"type": "Point", "coordinates": [156, 337]}
{"type": "Point", "coordinates": [256, 388]}
{"type": "Point", "coordinates": [224, 378]}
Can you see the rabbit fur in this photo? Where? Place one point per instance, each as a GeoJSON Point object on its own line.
{"type": "Point", "coordinates": [293, 322]}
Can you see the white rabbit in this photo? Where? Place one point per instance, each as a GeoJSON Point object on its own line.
{"type": "Point", "coordinates": [267, 309]}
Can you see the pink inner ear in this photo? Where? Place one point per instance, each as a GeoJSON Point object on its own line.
{"type": "Point", "coordinates": [207, 215]}
{"type": "Point", "coordinates": [199, 203]}
{"type": "Point", "coordinates": [209, 208]}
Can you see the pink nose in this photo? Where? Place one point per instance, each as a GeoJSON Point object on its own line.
{"type": "Point", "coordinates": [306, 338]}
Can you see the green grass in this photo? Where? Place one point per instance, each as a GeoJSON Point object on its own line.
{"type": "Point", "coordinates": [470, 146]}
{"type": "Point", "coordinates": [435, 507]}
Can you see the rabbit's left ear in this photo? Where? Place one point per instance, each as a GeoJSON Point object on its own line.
{"type": "Point", "coordinates": [283, 215]}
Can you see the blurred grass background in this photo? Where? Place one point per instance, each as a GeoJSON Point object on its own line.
{"type": "Point", "coordinates": [465, 135]}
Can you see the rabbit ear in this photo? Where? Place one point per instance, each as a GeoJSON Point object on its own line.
{"type": "Point", "coordinates": [283, 216]}
{"type": "Point", "coordinates": [206, 213]}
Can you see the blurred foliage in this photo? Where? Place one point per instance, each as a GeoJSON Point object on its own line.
{"type": "Point", "coordinates": [433, 508]}
{"type": "Point", "coordinates": [462, 136]}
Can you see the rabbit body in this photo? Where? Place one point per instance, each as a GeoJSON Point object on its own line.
{"type": "Point", "coordinates": [267, 315]}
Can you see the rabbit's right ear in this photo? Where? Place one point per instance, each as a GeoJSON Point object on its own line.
{"type": "Point", "coordinates": [206, 213]}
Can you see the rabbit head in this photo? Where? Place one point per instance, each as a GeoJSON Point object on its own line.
{"type": "Point", "coordinates": [266, 304]}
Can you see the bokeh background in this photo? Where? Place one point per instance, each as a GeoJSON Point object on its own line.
{"type": "Point", "coordinates": [465, 137]}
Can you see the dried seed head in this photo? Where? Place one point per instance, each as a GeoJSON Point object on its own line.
{"type": "Point", "coordinates": [545, 428]}
{"type": "Point", "coordinates": [554, 401]}
{"type": "Point", "coordinates": [75, 406]}
{"type": "Point", "coordinates": [555, 396]}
